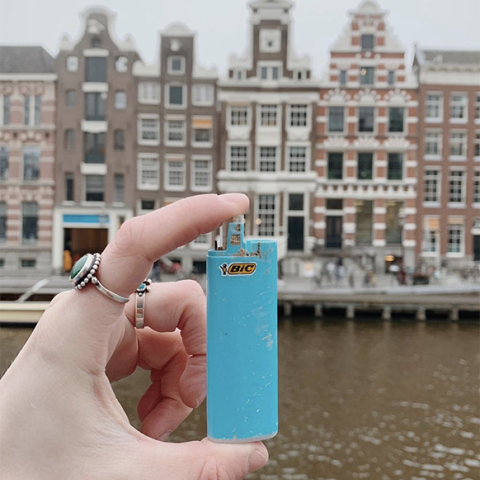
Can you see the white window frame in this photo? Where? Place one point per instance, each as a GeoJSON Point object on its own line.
{"type": "Point", "coordinates": [144, 212]}
{"type": "Point", "coordinates": [71, 63]}
{"type": "Point", "coordinates": [205, 87]}
{"type": "Point", "coordinates": [476, 144]}
{"type": "Point", "coordinates": [441, 101]}
{"type": "Point", "coordinates": [476, 178]}
{"type": "Point", "coordinates": [464, 143]}
{"type": "Point", "coordinates": [201, 188]}
{"type": "Point", "coordinates": [31, 110]}
{"type": "Point", "coordinates": [308, 126]}
{"type": "Point", "coordinates": [177, 159]}
{"type": "Point", "coordinates": [462, 202]}
{"type": "Point", "coordinates": [289, 146]}
{"type": "Point", "coordinates": [202, 245]}
{"type": "Point", "coordinates": [268, 35]}
{"type": "Point", "coordinates": [118, 93]}
{"type": "Point", "coordinates": [276, 213]}
{"type": "Point", "coordinates": [426, 241]}
{"type": "Point", "coordinates": [175, 143]}
{"type": "Point", "coordinates": [477, 108]}
{"type": "Point", "coordinates": [239, 74]}
{"type": "Point", "coordinates": [184, 96]}
{"type": "Point", "coordinates": [259, 158]}
{"type": "Point", "coordinates": [277, 116]}
{"type": "Point", "coordinates": [121, 64]}
{"type": "Point", "coordinates": [93, 202]}
{"type": "Point", "coordinates": [247, 157]}
{"type": "Point", "coordinates": [140, 140]}
{"type": "Point", "coordinates": [438, 178]}
{"type": "Point", "coordinates": [437, 156]}
{"type": "Point", "coordinates": [169, 65]}
{"type": "Point", "coordinates": [300, 74]}
{"type": "Point", "coordinates": [249, 116]}
{"type": "Point", "coordinates": [461, 253]}
{"type": "Point", "coordinates": [197, 144]}
{"type": "Point", "coordinates": [457, 104]}
{"type": "Point", "coordinates": [149, 93]}
{"type": "Point", "coordinates": [269, 65]}
{"type": "Point", "coordinates": [140, 169]}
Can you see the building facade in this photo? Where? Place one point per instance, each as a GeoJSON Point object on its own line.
{"type": "Point", "coordinates": [27, 149]}
{"type": "Point", "coordinates": [176, 148]}
{"type": "Point", "coordinates": [267, 132]}
{"type": "Point", "coordinates": [96, 102]}
{"type": "Point", "coordinates": [449, 156]}
{"type": "Point", "coordinates": [366, 152]}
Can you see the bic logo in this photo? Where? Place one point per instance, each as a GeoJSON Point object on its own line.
{"type": "Point", "coordinates": [238, 268]}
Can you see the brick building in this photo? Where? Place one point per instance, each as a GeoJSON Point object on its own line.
{"type": "Point", "coordinates": [96, 98]}
{"type": "Point", "coordinates": [366, 152]}
{"type": "Point", "coordinates": [27, 149]}
{"type": "Point", "coordinates": [449, 156]}
{"type": "Point", "coordinates": [176, 147]}
{"type": "Point", "coordinates": [267, 123]}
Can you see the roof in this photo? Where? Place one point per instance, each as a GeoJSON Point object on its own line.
{"type": "Point", "coordinates": [25, 60]}
{"type": "Point", "coordinates": [462, 57]}
{"type": "Point", "coordinates": [177, 30]}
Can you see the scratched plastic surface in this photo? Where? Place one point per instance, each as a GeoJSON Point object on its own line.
{"type": "Point", "coordinates": [242, 371]}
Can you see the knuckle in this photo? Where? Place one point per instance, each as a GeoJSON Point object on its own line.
{"type": "Point", "coordinates": [212, 469]}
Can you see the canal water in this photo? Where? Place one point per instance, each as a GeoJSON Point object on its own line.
{"type": "Point", "coordinates": [358, 400]}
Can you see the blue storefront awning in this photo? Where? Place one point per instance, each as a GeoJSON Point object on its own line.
{"type": "Point", "coordinates": [86, 219]}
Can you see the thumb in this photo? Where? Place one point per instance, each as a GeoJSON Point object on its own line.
{"type": "Point", "coordinates": [206, 460]}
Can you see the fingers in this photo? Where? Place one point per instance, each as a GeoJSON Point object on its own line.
{"type": "Point", "coordinates": [142, 240]}
{"type": "Point", "coordinates": [169, 306]}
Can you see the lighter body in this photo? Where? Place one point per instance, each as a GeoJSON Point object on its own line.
{"type": "Point", "coordinates": [242, 367]}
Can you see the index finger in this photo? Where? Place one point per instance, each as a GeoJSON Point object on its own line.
{"type": "Point", "coordinates": [141, 240]}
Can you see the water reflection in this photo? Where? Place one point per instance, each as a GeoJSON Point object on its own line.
{"type": "Point", "coordinates": [363, 400]}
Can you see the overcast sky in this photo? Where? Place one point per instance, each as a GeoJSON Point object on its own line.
{"type": "Point", "coordinates": [222, 24]}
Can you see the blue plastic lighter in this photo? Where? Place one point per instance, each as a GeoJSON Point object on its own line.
{"type": "Point", "coordinates": [242, 367]}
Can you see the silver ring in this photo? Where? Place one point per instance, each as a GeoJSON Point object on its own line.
{"type": "Point", "coordinates": [85, 271]}
{"type": "Point", "coordinates": [140, 294]}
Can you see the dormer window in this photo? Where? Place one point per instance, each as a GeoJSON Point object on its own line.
{"type": "Point", "coordinates": [239, 74]}
{"type": "Point", "coordinates": [269, 72]}
{"type": "Point", "coordinates": [300, 74]}
{"type": "Point", "coordinates": [176, 65]}
{"type": "Point", "coordinates": [96, 42]}
{"type": "Point", "coordinates": [368, 41]}
{"type": "Point", "coordinates": [270, 40]}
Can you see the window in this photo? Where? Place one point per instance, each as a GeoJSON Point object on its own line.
{"type": "Point", "coordinates": [149, 92]}
{"type": "Point", "coordinates": [148, 131]}
{"type": "Point", "coordinates": [96, 69]}
{"type": "Point", "coordinates": [70, 98]}
{"type": "Point", "coordinates": [366, 119]}
{"type": "Point", "coordinates": [176, 96]}
{"type": "Point", "coordinates": [365, 166]}
{"type": "Point", "coordinates": [96, 42]}
{"type": "Point", "coordinates": [148, 174]}
{"type": "Point", "coordinates": [434, 106]}
{"type": "Point", "coordinates": [433, 143]}
{"type": "Point", "coordinates": [72, 63]}
{"type": "Point", "coordinates": [393, 231]}
{"type": "Point", "coordinates": [335, 166]}
{"type": "Point", "coordinates": [69, 139]}
{"type": "Point", "coordinates": [204, 239]}
{"type": "Point", "coordinates": [202, 131]}
{"type": "Point", "coordinates": [431, 234]}
{"type": "Point", "coordinates": [343, 77]}
{"type": "Point", "coordinates": [269, 72]}
{"type": "Point", "coordinates": [29, 222]}
{"type": "Point", "coordinates": [268, 115]}
{"type": "Point", "coordinates": [238, 158]}
{"type": "Point", "coordinates": [4, 161]}
{"type": "Point", "coordinates": [477, 145]}
{"type": "Point", "coordinates": [477, 106]}
{"type": "Point", "coordinates": [176, 65]}
{"type": "Point", "coordinates": [455, 238]}
{"type": "Point", "coordinates": [367, 41]}
{"type": "Point", "coordinates": [298, 115]}
{"type": "Point", "coordinates": [367, 75]}
{"type": "Point", "coordinates": [121, 64]}
{"type": "Point", "coordinates": [270, 40]}
{"type": "Point", "coordinates": [268, 159]}
{"type": "Point", "coordinates": [119, 139]}
{"type": "Point", "coordinates": [239, 74]}
{"type": "Point", "coordinates": [266, 215]}
{"type": "Point", "coordinates": [175, 175]}
{"type": "Point", "coordinates": [295, 202]}
{"type": "Point", "coordinates": [94, 188]}
{"type": "Point", "coordinates": [239, 116]}
{"type": "Point", "coordinates": [395, 119]}
{"type": "Point", "coordinates": [334, 204]}
{"type": "Point", "coordinates": [3, 222]}
{"type": "Point", "coordinates": [5, 112]}
{"type": "Point", "coordinates": [300, 74]}
{"type": "Point", "coordinates": [336, 119]}
{"type": "Point", "coordinates": [476, 187]}
{"type": "Point", "coordinates": [203, 94]}
{"type": "Point", "coordinates": [32, 109]}
{"type": "Point", "coordinates": [297, 159]}
{"type": "Point", "coordinates": [431, 186]}
{"type": "Point", "coordinates": [147, 205]}
{"type": "Point", "coordinates": [94, 147]}
{"type": "Point", "coordinates": [391, 77]}
{"type": "Point", "coordinates": [202, 175]}
{"type": "Point", "coordinates": [458, 143]}
{"type": "Point", "coordinates": [95, 106]}
{"type": "Point", "coordinates": [364, 222]}
{"type": "Point", "coordinates": [120, 99]}
{"type": "Point", "coordinates": [458, 106]}
{"type": "Point", "coordinates": [28, 263]}
{"type": "Point", "coordinates": [69, 187]}
{"type": "Point", "coordinates": [31, 163]}
{"type": "Point", "coordinates": [201, 135]}
{"type": "Point", "coordinates": [456, 186]}
{"type": "Point", "coordinates": [119, 188]}
{"type": "Point", "coordinates": [395, 166]}
{"type": "Point", "coordinates": [175, 131]}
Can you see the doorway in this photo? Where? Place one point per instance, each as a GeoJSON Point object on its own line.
{"type": "Point", "coordinates": [334, 232]}
{"type": "Point", "coordinates": [296, 233]}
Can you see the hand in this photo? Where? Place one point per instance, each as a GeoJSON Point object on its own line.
{"type": "Point", "coordinates": [59, 417]}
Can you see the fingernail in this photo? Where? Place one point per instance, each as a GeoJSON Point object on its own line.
{"type": "Point", "coordinates": [233, 197]}
{"type": "Point", "coordinates": [163, 437]}
{"type": "Point", "coordinates": [256, 460]}
{"type": "Point", "coordinates": [199, 400]}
